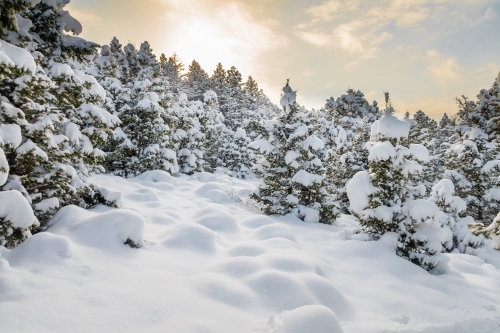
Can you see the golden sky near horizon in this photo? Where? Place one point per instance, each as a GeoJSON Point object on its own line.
{"type": "Point", "coordinates": [425, 52]}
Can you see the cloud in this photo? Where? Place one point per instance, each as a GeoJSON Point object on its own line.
{"type": "Point", "coordinates": [361, 27]}
{"type": "Point", "coordinates": [443, 70]}
{"type": "Point", "coordinates": [216, 31]}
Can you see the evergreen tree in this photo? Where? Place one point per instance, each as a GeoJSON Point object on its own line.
{"type": "Point", "coordinates": [188, 137]}
{"type": "Point", "coordinates": [239, 158]}
{"type": "Point", "coordinates": [293, 173]}
{"type": "Point", "coordinates": [387, 200]}
{"type": "Point", "coordinates": [53, 122]}
{"type": "Point", "coordinates": [457, 236]}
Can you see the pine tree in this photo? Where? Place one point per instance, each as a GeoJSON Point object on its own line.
{"type": "Point", "coordinates": [293, 173]}
{"type": "Point", "coordinates": [53, 118]}
{"type": "Point", "coordinates": [457, 236]}
{"type": "Point", "coordinates": [188, 137]}
{"type": "Point", "coordinates": [144, 140]}
{"type": "Point", "coordinates": [344, 125]}
{"type": "Point", "coordinates": [387, 200]}
{"type": "Point", "coordinates": [197, 80]}
{"type": "Point", "coordinates": [239, 158]}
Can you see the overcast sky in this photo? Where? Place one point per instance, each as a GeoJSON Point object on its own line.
{"type": "Point", "coordinates": [425, 52]}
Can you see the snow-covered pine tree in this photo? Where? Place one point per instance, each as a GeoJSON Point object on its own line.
{"type": "Point", "coordinates": [197, 81]}
{"type": "Point", "coordinates": [386, 200]}
{"type": "Point", "coordinates": [144, 140]}
{"type": "Point", "coordinates": [188, 137]}
{"type": "Point", "coordinates": [457, 237]}
{"type": "Point", "coordinates": [60, 125]}
{"type": "Point", "coordinates": [50, 22]}
{"type": "Point", "coordinates": [171, 69]}
{"type": "Point", "coordinates": [344, 125]}
{"type": "Point", "coordinates": [423, 130]}
{"type": "Point", "coordinates": [217, 136]}
{"type": "Point", "coordinates": [472, 162]}
{"type": "Point", "coordinates": [16, 65]}
{"type": "Point", "coordinates": [293, 173]}
{"type": "Point", "coordinates": [238, 156]}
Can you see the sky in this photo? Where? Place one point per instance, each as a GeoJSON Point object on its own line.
{"type": "Point", "coordinates": [424, 52]}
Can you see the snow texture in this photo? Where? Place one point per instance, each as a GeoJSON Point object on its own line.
{"type": "Point", "coordinates": [307, 179]}
{"type": "Point", "coordinates": [359, 189]}
{"type": "Point", "coordinates": [16, 209]}
{"type": "Point", "coordinates": [14, 56]}
{"type": "Point", "coordinates": [245, 272]}
{"type": "Point", "coordinates": [10, 135]}
{"type": "Point", "coordinates": [382, 151]}
{"type": "Point", "coordinates": [419, 152]}
{"type": "Point", "coordinates": [390, 127]}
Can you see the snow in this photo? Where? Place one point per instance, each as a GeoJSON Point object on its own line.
{"type": "Point", "coordinates": [14, 56]}
{"type": "Point", "coordinates": [10, 134]}
{"type": "Point", "coordinates": [240, 133]}
{"type": "Point", "coordinates": [70, 24]}
{"type": "Point", "coordinates": [309, 318]}
{"type": "Point", "coordinates": [307, 179]}
{"type": "Point", "coordinates": [314, 143]}
{"type": "Point", "coordinates": [290, 158]}
{"type": "Point", "coordinates": [498, 79]}
{"type": "Point", "coordinates": [359, 189]}
{"type": "Point", "coordinates": [30, 147]}
{"type": "Point", "coordinates": [4, 167]}
{"type": "Point", "coordinates": [421, 210]}
{"type": "Point", "coordinates": [289, 97]}
{"type": "Point", "coordinates": [96, 88]}
{"type": "Point", "coordinates": [263, 146]}
{"type": "Point", "coordinates": [419, 152]}
{"type": "Point", "coordinates": [210, 95]}
{"type": "Point", "coordinates": [390, 127]}
{"type": "Point", "coordinates": [382, 151]}
{"type": "Point", "coordinates": [245, 272]}
{"type": "Point", "coordinates": [47, 205]}
{"type": "Point", "coordinates": [16, 209]}
{"type": "Point", "coordinates": [40, 250]}
{"type": "Point", "coordinates": [72, 132]}
{"type": "Point", "coordinates": [100, 114]}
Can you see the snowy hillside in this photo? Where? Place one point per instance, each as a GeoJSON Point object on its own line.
{"type": "Point", "coordinates": [208, 262]}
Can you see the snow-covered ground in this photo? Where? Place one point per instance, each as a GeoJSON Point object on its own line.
{"type": "Point", "coordinates": [209, 262]}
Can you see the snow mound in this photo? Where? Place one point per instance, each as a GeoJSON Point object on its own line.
{"type": "Point", "coordinates": [217, 218]}
{"type": "Point", "coordinates": [204, 177]}
{"type": "Point", "coordinates": [275, 230]}
{"type": "Point", "coordinates": [287, 263]}
{"type": "Point", "coordinates": [225, 290]}
{"type": "Point", "coordinates": [238, 267]}
{"type": "Point", "coordinates": [191, 237]}
{"type": "Point", "coordinates": [103, 231]}
{"type": "Point", "coordinates": [247, 250]}
{"type": "Point", "coordinates": [217, 196]}
{"type": "Point", "coordinates": [41, 249]}
{"type": "Point", "coordinates": [256, 221]}
{"type": "Point", "coordinates": [274, 289]}
{"type": "Point", "coordinates": [310, 319]}
{"type": "Point", "coordinates": [156, 176]}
